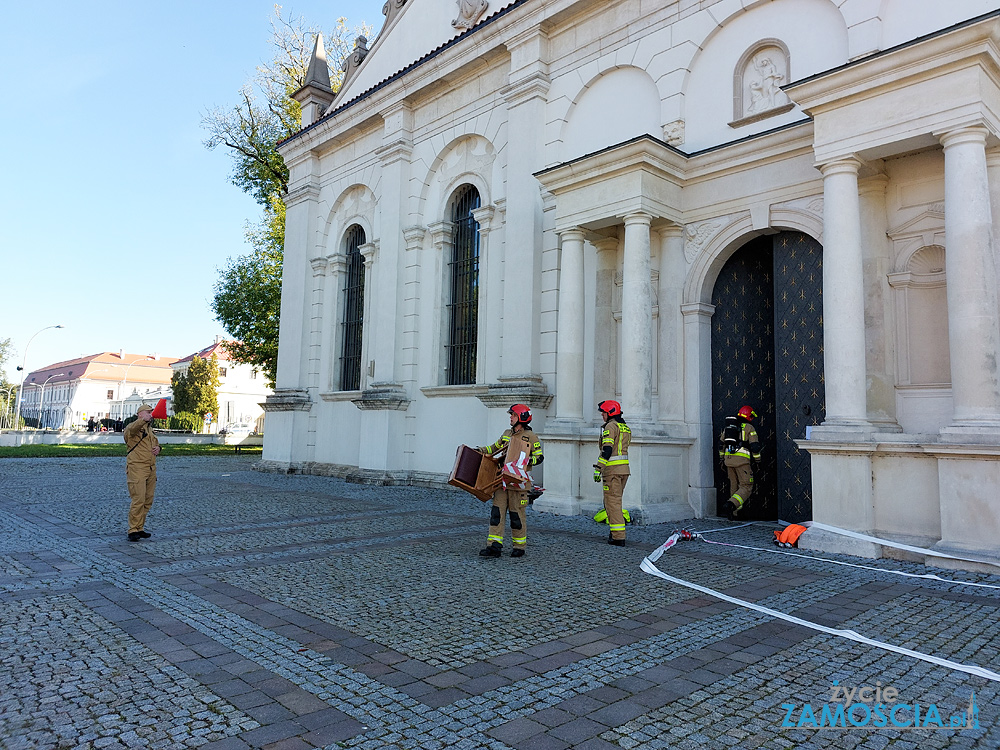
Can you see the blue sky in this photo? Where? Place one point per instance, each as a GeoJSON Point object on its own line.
{"type": "Point", "coordinates": [114, 218]}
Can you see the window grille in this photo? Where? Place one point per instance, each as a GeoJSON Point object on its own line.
{"type": "Point", "coordinates": [463, 306]}
{"type": "Point", "coordinates": [354, 311]}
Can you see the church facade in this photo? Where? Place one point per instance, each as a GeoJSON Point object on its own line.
{"type": "Point", "coordinates": [683, 206]}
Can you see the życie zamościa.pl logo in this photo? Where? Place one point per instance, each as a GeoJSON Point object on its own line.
{"type": "Point", "coordinates": [876, 706]}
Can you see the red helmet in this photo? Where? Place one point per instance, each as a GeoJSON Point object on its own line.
{"type": "Point", "coordinates": [522, 411]}
{"type": "Point", "coordinates": [747, 413]}
{"type": "Point", "coordinates": [611, 408]}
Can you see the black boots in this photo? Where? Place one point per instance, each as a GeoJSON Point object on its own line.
{"type": "Point", "coordinates": [134, 536]}
{"type": "Point", "coordinates": [616, 542]}
{"type": "Point", "coordinates": [494, 550]}
{"type": "Point", "coordinates": [517, 552]}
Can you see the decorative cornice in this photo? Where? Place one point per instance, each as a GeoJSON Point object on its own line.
{"type": "Point", "coordinates": [288, 399]}
{"type": "Point", "coordinates": [528, 390]}
{"type": "Point", "coordinates": [301, 193]}
{"type": "Point", "coordinates": [319, 266]}
{"type": "Point", "coordinates": [398, 149]}
{"type": "Point", "coordinates": [414, 236]}
{"type": "Point", "coordinates": [383, 397]}
{"type": "Point", "coordinates": [369, 251]}
{"type": "Point", "coordinates": [534, 85]}
{"type": "Point", "coordinates": [483, 216]}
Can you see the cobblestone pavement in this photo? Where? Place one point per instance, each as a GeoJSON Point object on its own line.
{"type": "Point", "coordinates": [288, 612]}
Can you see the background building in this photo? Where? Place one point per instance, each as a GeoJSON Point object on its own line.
{"type": "Point", "coordinates": [684, 206]}
{"type": "Point", "coordinates": [69, 393]}
{"type": "Point", "coordinates": [242, 388]}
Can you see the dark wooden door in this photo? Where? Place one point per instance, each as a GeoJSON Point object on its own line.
{"type": "Point", "coordinates": [767, 352]}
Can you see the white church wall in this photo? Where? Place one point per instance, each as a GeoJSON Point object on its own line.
{"type": "Point", "coordinates": [900, 23]}
{"type": "Point", "coordinates": [614, 107]}
{"type": "Point", "coordinates": [815, 35]}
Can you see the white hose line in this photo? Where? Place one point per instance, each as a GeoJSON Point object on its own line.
{"type": "Point", "coordinates": [927, 576]}
{"type": "Point", "coordinates": [890, 543]}
{"type": "Point", "coordinates": [648, 566]}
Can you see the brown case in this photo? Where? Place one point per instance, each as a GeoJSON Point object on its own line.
{"type": "Point", "coordinates": [477, 474]}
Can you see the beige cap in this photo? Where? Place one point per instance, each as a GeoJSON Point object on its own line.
{"type": "Point", "coordinates": [144, 407]}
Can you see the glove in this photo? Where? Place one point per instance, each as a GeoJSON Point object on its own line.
{"type": "Point", "coordinates": [597, 473]}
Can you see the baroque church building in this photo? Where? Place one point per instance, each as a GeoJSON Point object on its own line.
{"type": "Point", "coordinates": [684, 206]}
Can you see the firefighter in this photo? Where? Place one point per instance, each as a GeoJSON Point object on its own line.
{"type": "Point", "coordinates": [612, 467]}
{"type": "Point", "coordinates": [140, 470]}
{"type": "Point", "coordinates": [739, 450]}
{"type": "Point", "coordinates": [510, 499]}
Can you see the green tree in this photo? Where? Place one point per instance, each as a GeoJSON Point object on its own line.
{"type": "Point", "coordinates": [197, 390]}
{"type": "Point", "coordinates": [247, 294]}
{"type": "Point", "coordinates": [8, 390]}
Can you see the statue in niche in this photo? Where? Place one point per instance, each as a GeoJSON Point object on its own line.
{"type": "Point", "coordinates": [469, 12]}
{"type": "Point", "coordinates": [764, 80]}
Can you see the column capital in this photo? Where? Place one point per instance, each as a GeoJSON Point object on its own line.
{"type": "Point", "coordinates": [318, 266]}
{"type": "Point", "coordinates": [575, 234]}
{"type": "Point", "coordinates": [968, 134]}
{"type": "Point", "coordinates": [638, 217]}
{"type": "Point", "coordinates": [368, 251]}
{"type": "Point", "coordinates": [843, 165]}
{"type": "Point", "coordinates": [670, 230]}
{"type": "Point", "coordinates": [336, 263]}
{"type": "Point", "coordinates": [605, 244]}
{"type": "Point", "coordinates": [484, 217]}
{"type": "Point", "coordinates": [440, 233]}
{"type": "Point", "coordinates": [691, 309]}
{"type": "Point", "coordinates": [414, 236]}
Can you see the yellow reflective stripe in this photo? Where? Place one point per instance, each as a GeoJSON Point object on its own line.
{"type": "Point", "coordinates": [521, 539]}
{"type": "Point", "coordinates": [602, 460]}
{"type": "Point", "coordinates": [617, 526]}
{"type": "Point", "coordinates": [620, 462]}
{"type": "Point", "coordinates": [495, 538]}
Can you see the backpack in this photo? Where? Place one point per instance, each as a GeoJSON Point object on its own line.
{"type": "Point", "coordinates": [732, 435]}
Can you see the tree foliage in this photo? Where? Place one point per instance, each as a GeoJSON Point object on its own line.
{"type": "Point", "coordinates": [197, 390]}
{"type": "Point", "coordinates": [8, 390]}
{"type": "Point", "coordinates": [247, 294]}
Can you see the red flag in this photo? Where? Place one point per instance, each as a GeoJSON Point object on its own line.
{"type": "Point", "coordinates": [160, 411]}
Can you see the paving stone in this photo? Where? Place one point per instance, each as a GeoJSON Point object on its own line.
{"type": "Point", "coordinates": [321, 613]}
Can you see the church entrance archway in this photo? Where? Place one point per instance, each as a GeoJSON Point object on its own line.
{"type": "Point", "coordinates": [767, 351]}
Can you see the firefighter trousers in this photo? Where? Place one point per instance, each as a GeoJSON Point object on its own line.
{"type": "Point", "coordinates": [740, 479]}
{"type": "Point", "coordinates": [614, 486]}
{"type": "Point", "coordinates": [141, 486]}
{"type": "Point", "coordinates": [513, 503]}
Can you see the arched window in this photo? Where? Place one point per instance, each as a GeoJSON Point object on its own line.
{"type": "Point", "coordinates": [463, 304]}
{"type": "Point", "coordinates": [354, 311]}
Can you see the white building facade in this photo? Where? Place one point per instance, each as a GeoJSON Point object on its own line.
{"type": "Point", "coordinates": [682, 206]}
{"type": "Point", "coordinates": [242, 388]}
{"type": "Point", "coordinates": [67, 394]}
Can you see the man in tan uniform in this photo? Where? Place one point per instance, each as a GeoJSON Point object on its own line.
{"type": "Point", "coordinates": [140, 470]}
{"type": "Point", "coordinates": [512, 497]}
{"type": "Point", "coordinates": [612, 467]}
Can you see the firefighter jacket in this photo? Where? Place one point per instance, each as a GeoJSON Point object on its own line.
{"type": "Point", "coordinates": [527, 434]}
{"type": "Point", "coordinates": [615, 437]}
{"type": "Point", "coordinates": [140, 440]}
{"type": "Point", "coordinates": [748, 446]}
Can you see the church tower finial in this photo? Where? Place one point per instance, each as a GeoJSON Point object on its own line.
{"type": "Point", "coordinates": [316, 93]}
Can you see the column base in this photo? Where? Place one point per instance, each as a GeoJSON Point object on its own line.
{"type": "Point", "coordinates": [979, 433]}
{"type": "Point", "coordinates": [561, 505]}
{"type": "Point", "coordinates": [819, 540]}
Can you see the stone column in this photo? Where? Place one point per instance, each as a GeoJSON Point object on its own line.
{"type": "Point", "coordinates": [637, 320]}
{"type": "Point", "coordinates": [316, 323]}
{"type": "Point", "coordinates": [368, 251]}
{"type": "Point", "coordinates": [843, 297]}
{"type": "Point", "coordinates": [606, 384]}
{"type": "Point", "coordinates": [670, 356]}
{"type": "Point", "coordinates": [880, 353]}
{"type": "Point", "coordinates": [697, 375]}
{"type": "Point", "coordinates": [525, 97]}
{"type": "Point", "coordinates": [970, 267]}
{"type": "Point", "coordinates": [569, 334]}
{"type": "Point", "coordinates": [490, 304]}
{"type": "Point", "coordinates": [329, 371]}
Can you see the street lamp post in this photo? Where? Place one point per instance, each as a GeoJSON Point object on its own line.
{"type": "Point", "coordinates": [41, 396]}
{"type": "Point", "coordinates": [121, 388]}
{"type": "Point", "coordinates": [24, 359]}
